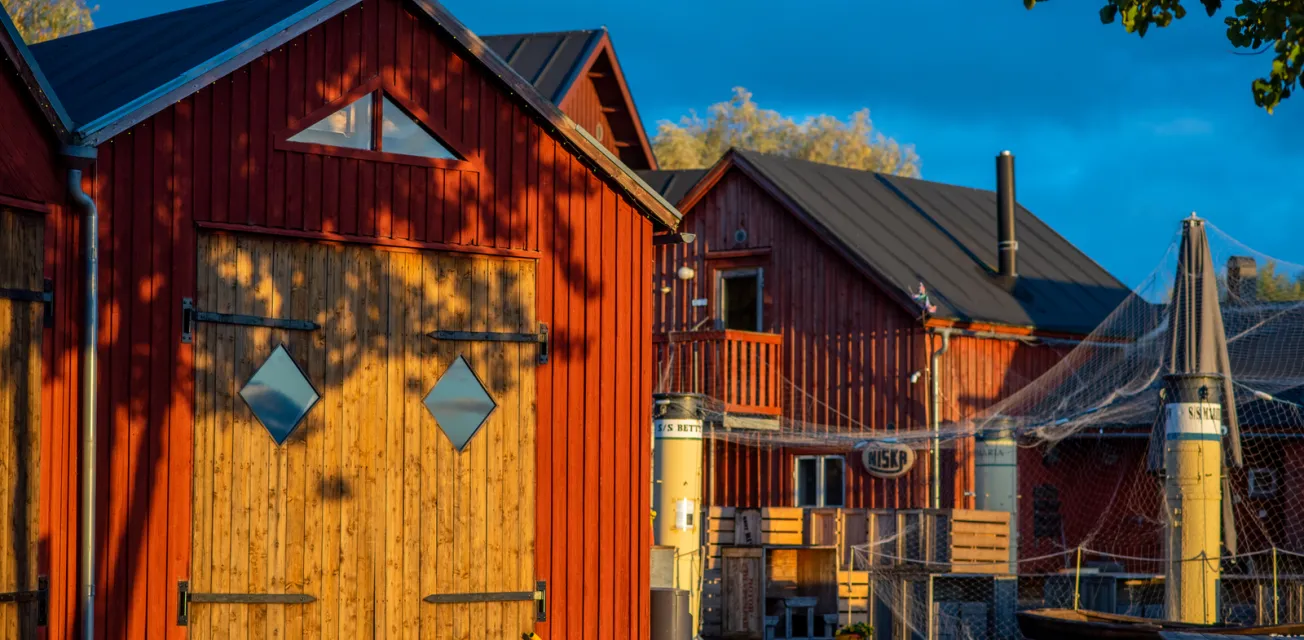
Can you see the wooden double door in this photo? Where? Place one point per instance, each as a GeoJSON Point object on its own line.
{"type": "Point", "coordinates": [329, 501]}
{"type": "Point", "coordinates": [22, 310]}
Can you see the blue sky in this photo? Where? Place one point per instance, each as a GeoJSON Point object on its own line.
{"type": "Point", "coordinates": [1116, 138]}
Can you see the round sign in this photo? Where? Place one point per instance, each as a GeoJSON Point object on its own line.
{"type": "Point", "coordinates": [887, 459]}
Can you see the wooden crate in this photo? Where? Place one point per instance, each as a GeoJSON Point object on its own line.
{"type": "Point", "coordinates": [823, 528]}
{"type": "Point", "coordinates": [782, 525]}
{"type": "Point", "coordinates": [940, 540]}
{"type": "Point", "coordinates": [975, 541]}
{"type": "Point", "coordinates": [742, 593]}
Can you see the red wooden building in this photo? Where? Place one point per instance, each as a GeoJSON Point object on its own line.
{"type": "Point", "coordinates": [797, 310]}
{"type": "Point", "coordinates": [374, 331]}
{"type": "Point", "coordinates": [579, 72]}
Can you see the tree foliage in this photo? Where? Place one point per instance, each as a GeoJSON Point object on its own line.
{"type": "Point", "coordinates": [41, 20]}
{"type": "Point", "coordinates": [1259, 25]}
{"type": "Point", "coordinates": [695, 142]}
{"type": "Point", "coordinates": [1279, 287]}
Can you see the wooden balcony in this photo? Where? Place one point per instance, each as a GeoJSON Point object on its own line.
{"type": "Point", "coordinates": [740, 369]}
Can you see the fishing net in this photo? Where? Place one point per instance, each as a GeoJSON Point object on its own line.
{"type": "Point", "coordinates": [1090, 522]}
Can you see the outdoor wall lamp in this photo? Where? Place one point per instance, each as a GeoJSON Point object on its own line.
{"type": "Point", "coordinates": [686, 273]}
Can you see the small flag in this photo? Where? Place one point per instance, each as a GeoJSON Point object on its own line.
{"type": "Point", "coordinates": [921, 297]}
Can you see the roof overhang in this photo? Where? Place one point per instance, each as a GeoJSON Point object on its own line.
{"type": "Point", "coordinates": [599, 44]}
{"type": "Point", "coordinates": [13, 47]}
{"type": "Point", "coordinates": [645, 199]}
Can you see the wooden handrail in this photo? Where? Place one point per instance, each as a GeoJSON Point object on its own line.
{"type": "Point", "coordinates": [717, 335]}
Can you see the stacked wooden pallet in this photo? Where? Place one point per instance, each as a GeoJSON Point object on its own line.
{"type": "Point", "coordinates": [853, 596]}
{"type": "Point", "coordinates": [719, 532]}
{"type": "Point", "coordinates": [782, 525]}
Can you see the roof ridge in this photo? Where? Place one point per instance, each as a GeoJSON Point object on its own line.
{"type": "Point", "coordinates": [532, 34]}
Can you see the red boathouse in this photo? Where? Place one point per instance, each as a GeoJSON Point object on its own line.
{"type": "Point", "coordinates": [374, 332]}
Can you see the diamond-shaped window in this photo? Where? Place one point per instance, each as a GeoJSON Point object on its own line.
{"type": "Point", "coordinates": [279, 395]}
{"type": "Point", "coordinates": [459, 403]}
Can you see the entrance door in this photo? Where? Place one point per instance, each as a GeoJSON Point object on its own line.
{"type": "Point", "coordinates": [364, 443]}
{"type": "Point", "coordinates": [21, 312]}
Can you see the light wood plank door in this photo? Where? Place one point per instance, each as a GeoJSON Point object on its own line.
{"type": "Point", "coordinates": [22, 311]}
{"type": "Point", "coordinates": [362, 519]}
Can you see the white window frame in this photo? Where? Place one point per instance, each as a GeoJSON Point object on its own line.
{"type": "Point", "coordinates": [819, 482]}
{"type": "Point", "coordinates": [741, 272]}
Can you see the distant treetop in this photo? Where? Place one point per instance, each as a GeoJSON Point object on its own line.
{"type": "Point", "coordinates": [695, 143]}
{"type": "Point", "coordinates": [41, 20]}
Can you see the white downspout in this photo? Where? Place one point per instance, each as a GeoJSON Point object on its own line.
{"type": "Point", "coordinates": [90, 336]}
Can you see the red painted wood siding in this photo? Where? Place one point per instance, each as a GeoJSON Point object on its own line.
{"type": "Point", "coordinates": [30, 171]}
{"type": "Point", "coordinates": [600, 102]}
{"type": "Point", "coordinates": [28, 153]}
{"type": "Point", "coordinates": [976, 374]}
{"type": "Point", "coordinates": [583, 105]}
{"type": "Point", "coordinates": [848, 350]}
{"type": "Point", "coordinates": [210, 159]}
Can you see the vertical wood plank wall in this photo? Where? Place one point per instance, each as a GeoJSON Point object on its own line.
{"type": "Point", "coordinates": [30, 172]}
{"type": "Point", "coordinates": [21, 268]}
{"type": "Point", "coordinates": [209, 159]}
{"type": "Point", "coordinates": [367, 477]}
{"type": "Point", "coordinates": [848, 352]}
{"type": "Point", "coordinates": [848, 349]}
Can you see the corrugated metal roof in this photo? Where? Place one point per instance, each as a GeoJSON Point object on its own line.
{"type": "Point", "coordinates": [673, 184]}
{"type": "Point", "coordinates": [104, 69]}
{"type": "Point", "coordinates": [550, 61]}
{"type": "Point", "coordinates": [912, 231]}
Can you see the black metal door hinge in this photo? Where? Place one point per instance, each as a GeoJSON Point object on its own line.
{"type": "Point", "coordinates": [45, 295]}
{"type": "Point", "coordinates": [190, 315]}
{"type": "Point", "coordinates": [41, 596]}
{"type": "Point", "coordinates": [539, 596]}
{"type": "Point", "coordinates": [186, 597]}
{"type": "Point", "coordinates": [499, 336]}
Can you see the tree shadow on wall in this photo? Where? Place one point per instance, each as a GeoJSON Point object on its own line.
{"type": "Point", "coordinates": [527, 198]}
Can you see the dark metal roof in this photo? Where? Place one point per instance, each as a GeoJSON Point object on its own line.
{"type": "Point", "coordinates": [672, 184]}
{"type": "Point", "coordinates": [550, 61]}
{"type": "Point", "coordinates": [911, 231]}
{"type": "Point", "coordinates": [104, 69]}
{"type": "Point", "coordinates": [112, 78]}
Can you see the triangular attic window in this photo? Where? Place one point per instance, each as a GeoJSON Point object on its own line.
{"type": "Point", "coordinates": [349, 127]}
{"type": "Point", "coordinates": [401, 134]}
{"type": "Point", "coordinates": [355, 127]}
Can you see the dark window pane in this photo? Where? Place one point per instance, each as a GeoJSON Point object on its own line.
{"type": "Point", "coordinates": [279, 395]}
{"type": "Point", "coordinates": [459, 403]}
{"type": "Point", "coordinates": [834, 483]}
{"type": "Point", "coordinates": [740, 302]}
{"type": "Point", "coordinates": [349, 127]}
{"type": "Point", "coordinates": [807, 482]}
{"type": "Point", "coordinates": [401, 134]}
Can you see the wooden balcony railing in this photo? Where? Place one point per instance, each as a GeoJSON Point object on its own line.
{"type": "Point", "coordinates": [738, 368]}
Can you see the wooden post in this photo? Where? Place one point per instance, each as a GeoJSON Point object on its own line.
{"type": "Point", "coordinates": [1077, 582]}
{"type": "Point", "coordinates": [1275, 597]}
